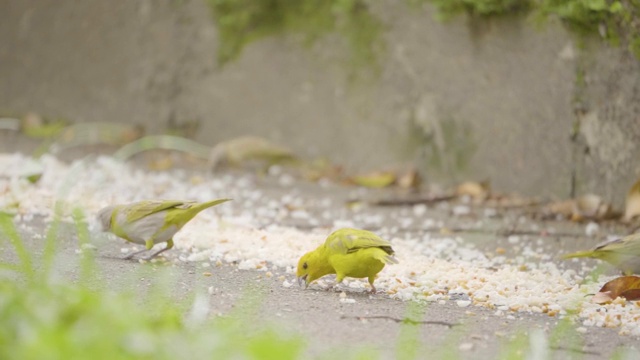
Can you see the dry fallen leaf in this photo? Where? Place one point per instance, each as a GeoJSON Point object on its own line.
{"type": "Point", "coordinates": [479, 191]}
{"type": "Point", "coordinates": [632, 208]}
{"type": "Point", "coordinates": [565, 208]}
{"type": "Point", "coordinates": [246, 148]}
{"type": "Point", "coordinates": [95, 133]}
{"type": "Point", "coordinates": [35, 126]}
{"type": "Point", "coordinates": [627, 287]}
{"type": "Point", "coordinates": [161, 163]}
{"type": "Point", "coordinates": [376, 179]}
{"type": "Point", "coordinates": [593, 206]}
{"type": "Point", "coordinates": [409, 180]}
{"type": "Point", "coordinates": [320, 168]}
{"type": "Point", "coordinates": [446, 231]}
{"type": "Point", "coordinates": [588, 206]}
{"type": "Point", "coordinates": [510, 201]}
{"type": "Point", "coordinates": [602, 297]}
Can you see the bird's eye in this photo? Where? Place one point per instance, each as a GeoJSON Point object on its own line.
{"type": "Point", "coordinates": [305, 266]}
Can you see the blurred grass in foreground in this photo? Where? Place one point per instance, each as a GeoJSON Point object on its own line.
{"type": "Point", "coordinates": [42, 319]}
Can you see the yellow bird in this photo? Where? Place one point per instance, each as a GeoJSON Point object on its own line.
{"type": "Point", "coordinates": [151, 222]}
{"type": "Point", "coordinates": [346, 253]}
{"type": "Point", "coordinates": [622, 253]}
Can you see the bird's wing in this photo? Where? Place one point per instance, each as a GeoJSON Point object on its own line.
{"type": "Point", "coordinates": [627, 244]}
{"type": "Point", "coordinates": [350, 240]}
{"type": "Point", "coordinates": [145, 208]}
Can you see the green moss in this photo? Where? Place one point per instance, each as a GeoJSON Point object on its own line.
{"type": "Point", "coordinates": [634, 45]}
{"type": "Point", "coordinates": [616, 21]}
{"type": "Point", "coordinates": [241, 22]}
{"type": "Point", "coordinates": [480, 8]}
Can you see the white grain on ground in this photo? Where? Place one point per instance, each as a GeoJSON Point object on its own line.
{"type": "Point", "coordinates": [246, 232]}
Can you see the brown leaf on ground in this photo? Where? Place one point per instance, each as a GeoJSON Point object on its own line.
{"type": "Point", "coordinates": [510, 201]}
{"type": "Point", "coordinates": [632, 208]}
{"type": "Point", "coordinates": [627, 287]}
{"type": "Point", "coordinates": [409, 179]}
{"type": "Point", "coordinates": [479, 191]}
{"type": "Point", "coordinates": [593, 206]}
{"type": "Point", "coordinates": [95, 133]}
{"type": "Point", "coordinates": [35, 126]}
{"type": "Point", "coordinates": [320, 168]}
{"type": "Point", "coordinates": [565, 208]}
{"type": "Point", "coordinates": [161, 163]}
{"type": "Point", "coordinates": [588, 206]}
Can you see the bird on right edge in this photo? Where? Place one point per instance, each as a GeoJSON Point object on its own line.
{"type": "Point", "coordinates": [623, 253]}
{"type": "Point", "coordinates": [347, 253]}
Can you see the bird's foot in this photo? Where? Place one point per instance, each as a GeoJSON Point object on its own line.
{"type": "Point", "coordinates": [130, 256]}
{"type": "Point", "coordinates": [153, 256]}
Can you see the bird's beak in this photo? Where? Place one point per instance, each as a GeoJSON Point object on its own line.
{"type": "Point", "coordinates": [303, 279]}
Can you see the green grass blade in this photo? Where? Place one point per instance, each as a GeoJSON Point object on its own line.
{"type": "Point", "coordinates": [9, 230]}
{"type": "Point", "coordinates": [51, 239]}
{"type": "Point", "coordinates": [87, 265]}
{"type": "Point", "coordinates": [53, 231]}
{"type": "Point", "coordinates": [12, 267]}
{"type": "Point", "coordinates": [408, 346]}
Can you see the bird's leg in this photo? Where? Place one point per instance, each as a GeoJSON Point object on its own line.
{"type": "Point", "coordinates": [169, 246]}
{"type": "Point", "coordinates": [148, 245]}
{"type": "Point", "coordinates": [373, 288]}
{"type": "Point", "coordinates": [337, 286]}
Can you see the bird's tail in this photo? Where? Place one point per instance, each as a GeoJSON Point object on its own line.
{"type": "Point", "coordinates": [387, 259]}
{"type": "Point", "coordinates": [192, 209]}
{"type": "Point", "coordinates": [196, 208]}
{"type": "Point", "coordinates": [579, 254]}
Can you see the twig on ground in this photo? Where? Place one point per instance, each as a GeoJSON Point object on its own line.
{"type": "Point", "coordinates": [412, 201]}
{"type": "Point", "coordinates": [403, 320]}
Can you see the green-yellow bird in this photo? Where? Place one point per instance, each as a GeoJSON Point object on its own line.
{"type": "Point", "coordinates": [347, 253]}
{"type": "Point", "coordinates": [623, 253]}
{"type": "Point", "coordinates": [151, 222]}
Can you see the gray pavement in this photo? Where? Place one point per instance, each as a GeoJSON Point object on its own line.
{"type": "Point", "coordinates": [328, 323]}
{"type": "Point", "coordinates": [319, 315]}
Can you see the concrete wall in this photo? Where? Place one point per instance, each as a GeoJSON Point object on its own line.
{"type": "Point", "coordinates": [462, 100]}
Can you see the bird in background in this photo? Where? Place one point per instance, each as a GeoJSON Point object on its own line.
{"type": "Point", "coordinates": [623, 253]}
{"type": "Point", "coordinates": [150, 222]}
{"type": "Point", "coordinates": [347, 253]}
